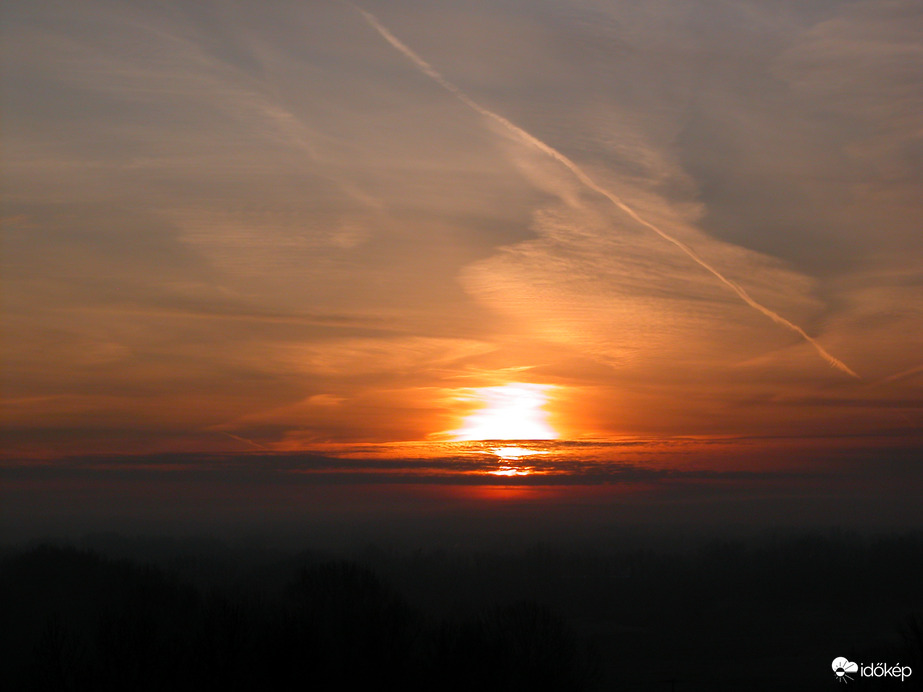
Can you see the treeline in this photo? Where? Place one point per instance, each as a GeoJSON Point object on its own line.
{"type": "Point", "coordinates": [770, 612]}
{"type": "Point", "coordinates": [74, 620]}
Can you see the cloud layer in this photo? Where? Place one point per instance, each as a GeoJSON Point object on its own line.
{"type": "Point", "coordinates": [229, 223]}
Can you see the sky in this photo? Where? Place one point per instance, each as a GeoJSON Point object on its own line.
{"type": "Point", "coordinates": [235, 227]}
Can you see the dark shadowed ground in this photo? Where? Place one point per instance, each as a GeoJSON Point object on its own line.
{"type": "Point", "coordinates": [639, 611]}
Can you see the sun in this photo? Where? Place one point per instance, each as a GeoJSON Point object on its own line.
{"type": "Point", "coordinates": [508, 412]}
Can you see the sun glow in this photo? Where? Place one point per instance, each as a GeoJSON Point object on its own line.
{"type": "Point", "coordinates": [514, 453]}
{"type": "Point", "coordinates": [509, 412]}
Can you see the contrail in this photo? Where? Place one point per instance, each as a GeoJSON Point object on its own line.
{"type": "Point", "coordinates": [904, 373]}
{"type": "Point", "coordinates": [245, 440]}
{"type": "Point", "coordinates": [578, 173]}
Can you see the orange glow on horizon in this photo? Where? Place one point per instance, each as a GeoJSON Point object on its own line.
{"type": "Point", "coordinates": [510, 471]}
{"type": "Point", "coordinates": [508, 412]}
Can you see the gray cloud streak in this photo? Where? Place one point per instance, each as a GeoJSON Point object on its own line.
{"type": "Point", "coordinates": [591, 184]}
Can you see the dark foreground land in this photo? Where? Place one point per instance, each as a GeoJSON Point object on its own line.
{"type": "Point", "coordinates": [767, 613]}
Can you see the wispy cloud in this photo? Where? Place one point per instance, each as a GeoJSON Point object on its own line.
{"type": "Point", "coordinates": [301, 223]}
{"type": "Point", "coordinates": [590, 183]}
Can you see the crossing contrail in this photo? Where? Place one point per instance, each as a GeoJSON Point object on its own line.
{"type": "Point", "coordinates": [582, 176]}
{"type": "Point", "coordinates": [244, 440]}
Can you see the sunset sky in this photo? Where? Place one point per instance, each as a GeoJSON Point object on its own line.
{"type": "Point", "coordinates": [256, 227]}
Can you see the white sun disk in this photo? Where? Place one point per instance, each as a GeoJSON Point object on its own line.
{"type": "Point", "coordinates": [509, 412]}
